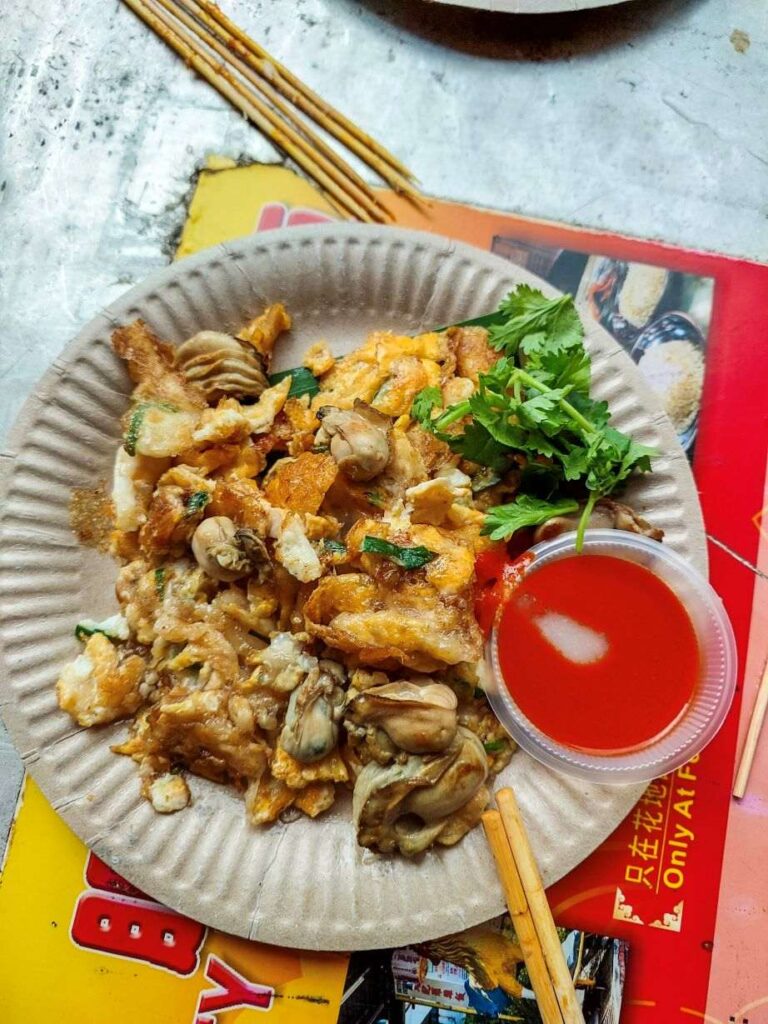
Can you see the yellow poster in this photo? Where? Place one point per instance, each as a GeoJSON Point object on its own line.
{"type": "Point", "coordinates": [80, 944]}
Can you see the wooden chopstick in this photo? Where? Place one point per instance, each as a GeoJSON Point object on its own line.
{"type": "Point", "coordinates": [359, 189]}
{"type": "Point", "coordinates": [520, 913]}
{"type": "Point", "coordinates": [368, 149]}
{"type": "Point", "coordinates": [557, 968]}
{"type": "Point", "coordinates": [333, 183]}
{"type": "Point", "coordinates": [753, 735]}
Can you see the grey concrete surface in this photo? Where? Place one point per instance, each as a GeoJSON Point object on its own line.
{"type": "Point", "coordinates": [648, 118]}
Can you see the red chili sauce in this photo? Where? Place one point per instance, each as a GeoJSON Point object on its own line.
{"type": "Point", "coordinates": [598, 652]}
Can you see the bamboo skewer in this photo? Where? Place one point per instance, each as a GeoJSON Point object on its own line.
{"type": "Point", "coordinates": [360, 190]}
{"type": "Point", "coordinates": [320, 167]}
{"type": "Point", "coordinates": [533, 886]}
{"type": "Point", "coordinates": [282, 80]}
{"type": "Point", "coordinates": [257, 112]}
{"type": "Point", "coordinates": [753, 735]}
{"type": "Point", "coordinates": [331, 114]}
{"type": "Point", "coordinates": [520, 913]}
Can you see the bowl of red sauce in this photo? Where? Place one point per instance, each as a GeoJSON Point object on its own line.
{"type": "Point", "coordinates": [613, 664]}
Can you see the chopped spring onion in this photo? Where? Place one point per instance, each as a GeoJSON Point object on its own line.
{"type": "Point", "coordinates": [132, 434]}
{"type": "Point", "coordinates": [407, 558]}
{"type": "Point", "coordinates": [303, 382]}
{"type": "Point", "coordinates": [115, 627]}
{"type": "Point", "coordinates": [160, 582]}
{"type": "Point", "coordinates": [375, 499]}
{"type": "Point", "coordinates": [196, 502]}
{"type": "Point", "coordinates": [495, 746]}
{"type": "Point", "coordinates": [334, 547]}
{"type": "Point", "coordinates": [137, 418]}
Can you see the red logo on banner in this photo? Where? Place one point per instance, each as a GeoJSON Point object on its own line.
{"type": "Point", "coordinates": [232, 992]}
{"type": "Point", "coordinates": [277, 215]}
{"type": "Point", "coordinates": [133, 926]}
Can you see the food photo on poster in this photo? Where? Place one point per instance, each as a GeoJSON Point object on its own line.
{"type": "Point", "coordinates": [478, 975]}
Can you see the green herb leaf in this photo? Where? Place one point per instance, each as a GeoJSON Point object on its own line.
{"type": "Point", "coordinates": [527, 311]}
{"type": "Point", "coordinates": [534, 401]}
{"type": "Point", "coordinates": [334, 547]}
{"type": "Point", "coordinates": [504, 520]}
{"type": "Point", "coordinates": [494, 746]}
{"type": "Point", "coordinates": [556, 363]}
{"type": "Point", "coordinates": [196, 502]}
{"type": "Point", "coordinates": [303, 381]}
{"type": "Point", "coordinates": [375, 498]}
{"type": "Point", "coordinates": [425, 401]}
{"type": "Point", "coordinates": [485, 320]}
{"type": "Point", "coordinates": [575, 462]}
{"type": "Point", "coordinates": [137, 418]}
{"type": "Point", "coordinates": [477, 445]}
{"type": "Point", "coordinates": [503, 425]}
{"type": "Point", "coordinates": [543, 410]}
{"type": "Point", "coordinates": [160, 582]}
{"type": "Point", "coordinates": [134, 426]}
{"type": "Point", "coordinates": [612, 457]}
{"type": "Point", "coordinates": [115, 627]}
{"type": "Point", "coordinates": [406, 557]}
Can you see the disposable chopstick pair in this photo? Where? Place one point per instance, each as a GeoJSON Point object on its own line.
{"type": "Point", "coordinates": [753, 735]}
{"type": "Point", "coordinates": [532, 918]}
{"type": "Point", "coordinates": [244, 73]}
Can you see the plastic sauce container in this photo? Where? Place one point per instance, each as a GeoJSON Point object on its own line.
{"type": "Point", "coordinates": [698, 720]}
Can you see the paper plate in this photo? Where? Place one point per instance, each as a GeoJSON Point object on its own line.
{"type": "Point", "coordinates": [306, 884]}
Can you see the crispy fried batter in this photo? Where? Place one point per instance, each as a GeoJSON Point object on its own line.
{"type": "Point", "coordinates": [297, 775]}
{"type": "Point", "coordinates": [407, 376]}
{"type": "Point", "coordinates": [196, 730]}
{"type": "Point", "coordinates": [473, 353]}
{"type": "Point", "coordinates": [266, 799]}
{"type": "Point", "coordinates": [263, 331]}
{"type": "Point", "coordinates": [294, 428]}
{"type": "Point", "coordinates": [318, 359]}
{"type": "Point", "coordinates": [150, 364]}
{"type": "Point", "coordinates": [176, 509]}
{"type": "Point", "coordinates": [405, 625]}
{"type": "Point", "coordinates": [316, 798]}
{"type": "Point", "coordinates": [97, 687]}
{"type": "Point", "coordinates": [243, 502]}
{"type": "Point", "coordinates": [301, 484]}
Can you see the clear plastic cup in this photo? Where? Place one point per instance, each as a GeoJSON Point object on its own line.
{"type": "Point", "coordinates": [709, 705]}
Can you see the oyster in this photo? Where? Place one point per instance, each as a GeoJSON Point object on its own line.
{"type": "Point", "coordinates": [418, 717]}
{"type": "Point", "coordinates": [220, 365]}
{"type": "Point", "coordinates": [358, 439]}
{"type": "Point", "coordinates": [424, 800]}
{"type": "Point", "coordinates": [226, 552]}
{"type": "Point", "coordinates": [283, 664]}
{"type": "Point", "coordinates": [312, 720]}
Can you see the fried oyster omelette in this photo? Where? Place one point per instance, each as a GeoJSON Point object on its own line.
{"type": "Point", "coordinates": [297, 580]}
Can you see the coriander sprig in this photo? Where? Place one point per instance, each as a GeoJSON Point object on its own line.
{"type": "Point", "coordinates": [535, 401]}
